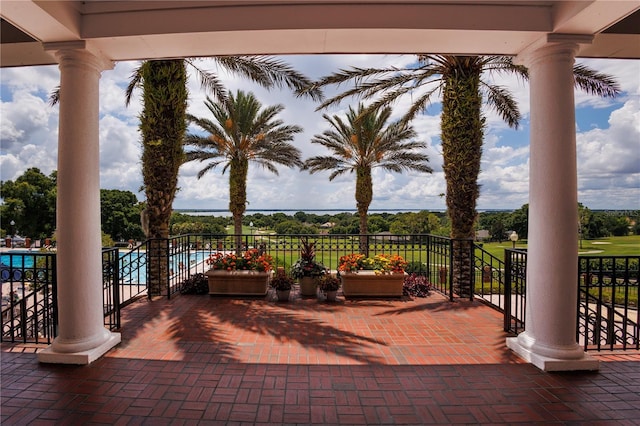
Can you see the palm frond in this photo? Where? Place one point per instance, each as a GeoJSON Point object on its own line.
{"type": "Point", "coordinates": [206, 169]}
{"type": "Point", "coordinates": [54, 96]}
{"type": "Point", "coordinates": [502, 101]}
{"type": "Point", "coordinates": [321, 163]}
{"type": "Point", "coordinates": [209, 82]}
{"type": "Point", "coordinates": [270, 72]}
{"type": "Point", "coordinates": [594, 82]}
{"type": "Point", "coordinates": [134, 82]}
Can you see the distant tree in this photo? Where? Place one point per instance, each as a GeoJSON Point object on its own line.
{"type": "Point", "coordinates": [422, 222]}
{"type": "Point", "coordinates": [30, 201]}
{"type": "Point", "coordinates": [619, 227]}
{"type": "Point", "coordinates": [377, 223]}
{"type": "Point", "coordinates": [106, 239]}
{"type": "Point", "coordinates": [198, 227]}
{"type": "Point", "coordinates": [293, 226]}
{"type": "Point", "coordinates": [300, 216]}
{"type": "Point", "coordinates": [120, 214]}
{"type": "Point", "coordinates": [519, 222]}
{"type": "Point", "coordinates": [495, 223]}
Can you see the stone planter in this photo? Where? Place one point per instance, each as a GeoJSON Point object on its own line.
{"type": "Point", "coordinates": [368, 284]}
{"type": "Point", "coordinates": [331, 295]}
{"type": "Point", "coordinates": [308, 286]}
{"type": "Point", "coordinates": [237, 283]}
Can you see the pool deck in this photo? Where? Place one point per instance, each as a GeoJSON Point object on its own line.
{"type": "Point", "coordinates": [217, 360]}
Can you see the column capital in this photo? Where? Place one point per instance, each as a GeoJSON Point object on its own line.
{"type": "Point", "coordinates": [552, 44]}
{"type": "Point", "coordinates": [79, 50]}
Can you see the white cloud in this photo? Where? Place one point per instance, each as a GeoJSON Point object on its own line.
{"type": "Point", "coordinates": [607, 156]}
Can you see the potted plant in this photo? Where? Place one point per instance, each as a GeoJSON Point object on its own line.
{"type": "Point", "coordinates": [329, 285]}
{"type": "Point", "coordinates": [306, 269]}
{"type": "Point", "coordinates": [378, 276]}
{"type": "Point", "coordinates": [282, 284]}
{"type": "Point", "coordinates": [246, 274]}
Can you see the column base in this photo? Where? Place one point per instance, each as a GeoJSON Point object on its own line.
{"type": "Point", "coordinates": [79, 358]}
{"type": "Point", "coordinates": [546, 363]}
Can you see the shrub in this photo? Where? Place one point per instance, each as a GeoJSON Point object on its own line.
{"type": "Point", "coordinates": [196, 284]}
{"type": "Point", "coordinates": [416, 286]}
{"type": "Point", "coordinates": [415, 266]}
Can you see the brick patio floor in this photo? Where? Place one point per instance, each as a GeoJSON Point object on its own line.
{"type": "Point", "coordinates": [206, 360]}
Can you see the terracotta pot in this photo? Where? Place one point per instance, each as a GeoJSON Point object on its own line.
{"type": "Point", "coordinates": [283, 295]}
{"type": "Point", "coordinates": [331, 295]}
{"type": "Point", "coordinates": [308, 286]}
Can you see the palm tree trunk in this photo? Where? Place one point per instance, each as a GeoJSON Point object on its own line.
{"type": "Point", "coordinates": [162, 124]}
{"type": "Point", "coordinates": [364, 195]}
{"type": "Point", "coordinates": [462, 132]}
{"type": "Point", "coordinates": [238, 196]}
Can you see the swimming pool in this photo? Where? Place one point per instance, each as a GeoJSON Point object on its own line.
{"type": "Point", "coordinates": [133, 266]}
{"type": "Point", "coordinates": [19, 259]}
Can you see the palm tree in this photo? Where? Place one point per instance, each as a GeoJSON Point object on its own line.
{"type": "Point", "coordinates": [163, 127]}
{"type": "Point", "coordinates": [242, 132]}
{"type": "Point", "coordinates": [459, 80]}
{"type": "Point", "coordinates": [361, 143]}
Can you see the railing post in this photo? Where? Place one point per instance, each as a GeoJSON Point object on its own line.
{"type": "Point", "coordinates": [472, 272]}
{"type": "Point", "coordinates": [116, 287]}
{"type": "Point", "coordinates": [23, 318]}
{"type": "Point", "coordinates": [507, 290]}
{"type": "Point", "coordinates": [428, 269]}
{"type": "Point", "coordinates": [54, 296]}
{"type": "Point", "coordinates": [450, 270]}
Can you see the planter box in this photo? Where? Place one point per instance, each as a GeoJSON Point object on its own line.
{"type": "Point", "coordinates": [237, 283]}
{"type": "Point", "coordinates": [368, 284]}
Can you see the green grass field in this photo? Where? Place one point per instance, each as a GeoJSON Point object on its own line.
{"type": "Point", "coordinates": [612, 246]}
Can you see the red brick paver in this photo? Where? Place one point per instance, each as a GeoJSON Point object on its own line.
{"type": "Point", "coordinates": [203, 360]}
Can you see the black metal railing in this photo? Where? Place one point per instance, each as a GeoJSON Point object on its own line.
{"type": "Point", "coordinates": [28, 297]}
{"type": "Point", "coordinates": [607, 317]}
{"type": "Point", "coordinates": [489, 278]}
{"type": "Point", "coordinates": [110, 288]}
{"type": "Point", "coordinates": [608, 302]}
{"type": "Point", "coordinates": [515, 279]}
{"type": "Point", "coordinates": [132, 273]}
{"type": "Point", "coordinates": [29, 291]}
{"type": "Point", "coordinates": [427, 255]}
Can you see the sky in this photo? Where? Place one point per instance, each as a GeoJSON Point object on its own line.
{"type": "Point", "coordinates": [608, 142]}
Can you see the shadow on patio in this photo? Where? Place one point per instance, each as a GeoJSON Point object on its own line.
{"type": "Point", "coordinates": [205, 360]}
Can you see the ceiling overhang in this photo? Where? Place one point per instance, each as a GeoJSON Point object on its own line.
{"type": "Point", "coordinates": [127, 30]}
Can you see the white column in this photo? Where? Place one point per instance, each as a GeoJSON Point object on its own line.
{"type": "Point", "coordinates": [82, 337]}
{"type": "Point", "coordinates": [549, 339]}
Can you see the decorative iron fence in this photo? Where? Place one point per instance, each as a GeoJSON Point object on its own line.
{"type": "Point", "coordinates": [28, 297]}
{"type": "Point", "coordinates": [608, 315]}
{"type": "Point", "coordinates": [427, 255]}
{"type": "Point", "coordinates": [489, 278]}
{"type": "Point", "coordinates": [29, 291]}
{"type": "Point", "coordinates": [515, 279]}
{"type": "Point", "coordinates": [608, 302]}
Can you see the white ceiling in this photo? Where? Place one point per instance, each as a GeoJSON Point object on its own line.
{"type": "Point", "coordinates": [126, 30]}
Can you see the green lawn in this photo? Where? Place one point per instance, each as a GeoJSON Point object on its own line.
{"type": "Point", "coordinates": [612, 246]}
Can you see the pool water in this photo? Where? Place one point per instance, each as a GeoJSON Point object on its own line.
{"type": "Point", "coordinates": [18, 259]}
{"type": "Point", "coordinates": [134, 269]}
